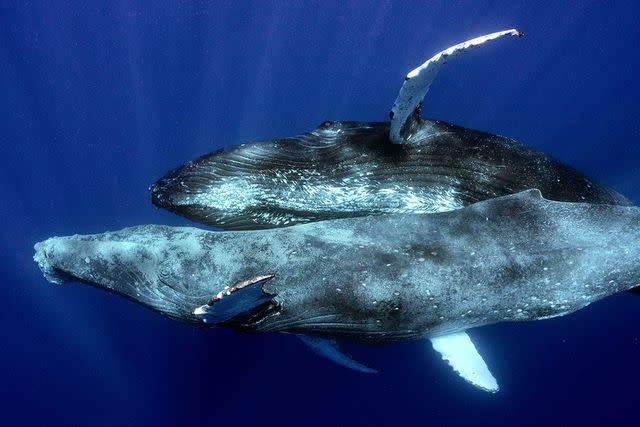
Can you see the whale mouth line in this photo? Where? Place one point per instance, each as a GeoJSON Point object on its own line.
{"type": "Point", "coordinates": [63, 276]}
{"type": "Point", "coordinates": [53, 273]}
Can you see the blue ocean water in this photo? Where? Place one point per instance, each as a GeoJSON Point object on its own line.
{"type": "Point", "coordinates": [99, 99]}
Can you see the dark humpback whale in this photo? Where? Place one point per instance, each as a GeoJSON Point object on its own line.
{"type": "Point", "coordinates": [349, 169]}
{"type": "Point", "coordinates": [378, 279]}
{"type": "Point", "coordinates": [352, 169]}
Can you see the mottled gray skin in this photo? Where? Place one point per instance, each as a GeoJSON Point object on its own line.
{"type": "Point", "coordinates": [351, 169]}
{"type": "Point", "coordinates": [377, 279]}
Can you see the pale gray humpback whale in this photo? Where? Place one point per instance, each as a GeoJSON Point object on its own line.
{"type": "Point", "coordinates": [352, 169]}
{"type": "Point", "coordinates": [379, 279]}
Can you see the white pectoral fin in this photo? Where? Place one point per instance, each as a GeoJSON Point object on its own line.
{"type": "Point", "coordinates": [331, 350]}
{"type": "Point", "coordinates": [461, 354]}
{"type": "Point", "coordinates": [418, 81]}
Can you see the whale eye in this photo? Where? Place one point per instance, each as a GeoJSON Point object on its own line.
{"type": "Point", "coordinates": [170, 275]}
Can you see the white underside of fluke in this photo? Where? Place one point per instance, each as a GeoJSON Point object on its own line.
{"type": "Point", "coordinates": [458, 350]}
{"type": "Point", "coordinates": [418, 82]}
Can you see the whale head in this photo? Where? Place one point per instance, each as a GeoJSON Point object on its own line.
{"type": "Point", "coordinates": [126, 267]}
{"type": "Point", "coordinates": [162, 268]}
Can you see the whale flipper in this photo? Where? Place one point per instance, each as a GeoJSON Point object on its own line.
{"type": "Point", "coordinates": [240, 299]}
{"type": "Point", "coordinates": [458, 350]}
{"type": "Point", "coordinates": [331, 350]}
{"type": "Point", "coordinates": [405, 114]}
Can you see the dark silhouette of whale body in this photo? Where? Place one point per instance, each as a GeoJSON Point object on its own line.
{"type": "Point", "coordinates": [351, 169]}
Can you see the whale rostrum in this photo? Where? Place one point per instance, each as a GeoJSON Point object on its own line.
{"type": "Point", "coordinates": [352, 169]}
{"type": "Point", "coordinates": [379, 279]}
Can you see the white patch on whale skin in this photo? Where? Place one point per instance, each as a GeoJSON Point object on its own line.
{"type": "Point", "coordinates": [236, 195]}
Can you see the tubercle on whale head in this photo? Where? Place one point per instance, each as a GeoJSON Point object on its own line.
{"type": "Point", "coordinates": [160, 197]}
{"type": "Point", "coordinates": [203, 192]}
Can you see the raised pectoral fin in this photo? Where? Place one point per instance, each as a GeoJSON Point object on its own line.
{"type": "Point", "coordinates": [331, 350]}
{"type": "Point", "coordinates": [406, 109]}
{"type": "Point", "coordinates": [235, 300]}
{"type": "Point", "coordinates": [635, 291]}
{"type": "Point", "coordinates": [461, 354]}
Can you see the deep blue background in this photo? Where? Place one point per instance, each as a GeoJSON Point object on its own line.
{"type": "Point", "coordinates": [97, 100]}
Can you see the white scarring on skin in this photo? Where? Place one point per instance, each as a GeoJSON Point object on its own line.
{"type": "Point", "coordinates": [418, 81]}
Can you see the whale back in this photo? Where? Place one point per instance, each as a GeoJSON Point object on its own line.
{"type": "Point", "coordinates": [351, 169]}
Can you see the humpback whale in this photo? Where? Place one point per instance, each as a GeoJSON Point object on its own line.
{"type": "Point", "coordinates": [377, 279]}
{"type": "Point", "coordinates": [353, 169]}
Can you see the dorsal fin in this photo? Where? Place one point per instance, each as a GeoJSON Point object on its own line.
{"type": "Point", "coordinates": [235, 300]}
{"type": "Point", "coordinates": [405, 114]}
